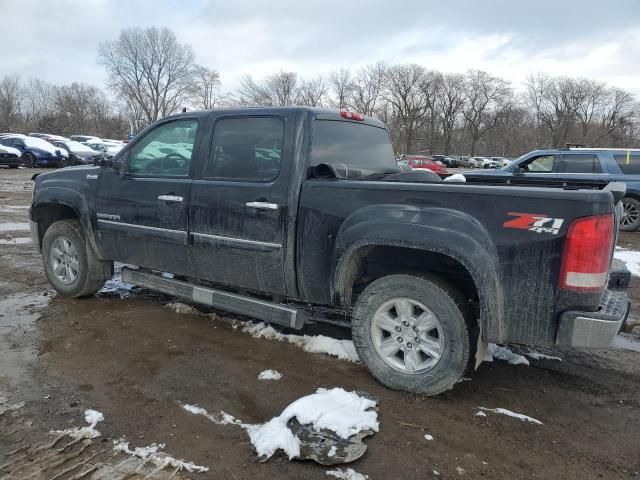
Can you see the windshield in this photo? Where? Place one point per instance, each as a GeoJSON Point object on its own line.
{"type": "Point", "coordinates": [354, 145]}
{"type": "Point", "coordinates": [77, 147]}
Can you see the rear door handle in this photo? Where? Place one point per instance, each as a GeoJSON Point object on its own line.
{"type": "Point", "coordinates": [170, 198]}
{"type": "Point", "coordinates": [262, 205]}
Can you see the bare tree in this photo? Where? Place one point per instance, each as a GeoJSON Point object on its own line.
{"type": "Point", "coordinates": [38, 100]}
{"type": "Point", "coordinates": [278, 89]}
{"type": "Point", "coordinates": [618, 112]}
{"type": "Point", "coordinates": [81, 104]}
{"type": "Point", "coordinates": [367, 88]}
{"type": "Point", "coordinates": [484, 98]}
{"type": "Point", "coordinates": [312, 93]}
{"type": "Point", "coordinates": [450, 101]}
{"type": "Point", "coordinates": [150, 68]}
{"type": "Point", "coordinates": [341, 87]}
{"type": "Point", "coordinates": [10, 100]}
{"type": "Point", "coordinates": [205, 87]}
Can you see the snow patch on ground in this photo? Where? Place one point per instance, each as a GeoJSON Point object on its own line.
{"type": "Point", "coordinates": [481, 414]}
{"type": "Point", "coordinates": [15, 241]}
{"type": "Point", "coordinates": [345, 413]}
{"type": "Point", "coordinates": [428, 437]}
{"type": "Point", "coordinates": [542, 356]}
{"type": "Point", "coordinates": [270, 375]}
{"type": "Point", "coordinates": [626, 342]}
{"type": "Point", "coordinates": [13, 227]}
{"type": "Point", "coordinates": [503, 353]}
{"type": "Point", "coordinates": [117, 286]}
{"type": "Point", "coordinates": [509, 413]}
{"type": "Point", "coordinates": [347, 474]}
{"type": "Point", "coordinates": [343, 349]}
{"type": "Point", "coordinates": [9, 408]}
{"type": "Point", "coordinates": [182, 308]}
{"type": "Point", "coordinates": [92, 417]}
{"type": "Point", "coordinates": [152, 454]}
{"type": "Point", "coordinates": [631, 258]}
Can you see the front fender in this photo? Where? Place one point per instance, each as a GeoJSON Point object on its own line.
{"type": "Point", "coordinates": [430, 229]}
{"type": "Point", "coordinates": [69, 198]}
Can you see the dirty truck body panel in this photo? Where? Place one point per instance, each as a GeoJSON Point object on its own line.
{"type": "Point", "coordinates": [276, 230]}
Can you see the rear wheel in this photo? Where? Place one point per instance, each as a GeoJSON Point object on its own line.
{"type": "Point", "coordinates": [630, 220]}
{"type": "Point", "coordinates": [70, 264]}
{"type": "Point", "coordinates": [414, 333]}
{"type": "Point", "coordinates": [28, 160]}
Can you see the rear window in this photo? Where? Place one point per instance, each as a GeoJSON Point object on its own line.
{"type": "Point", "coordinates": [355, 145]}
{"type": "Point", "coordinates": [580, 163]}
{"type": "Point", "coordinates": [628, 163]}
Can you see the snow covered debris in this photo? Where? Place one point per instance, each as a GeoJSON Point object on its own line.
{"type": "Point", "coordinates": [542, 356]}
{"type": "Point", "coordinates": [344, 413]}
{"type": "Point", "coordinates": [348, 474]}
{"type": "Point", "coordinates": [332, 451]}
{"type": "Point", "coordinates": [456, 177]}
{"type": "Point", "coordinates": [343, 349]}
{"type": "Point", "coordinates": [509, 413]}
{"type": "Point", "coordinates": [152, 454]}
{"type": "Point", "coordinates": [631, 258]}
{"type": "Point", "coordinates": [428, 437]}
{"type": "Point", "coordinates": [460, 470]}
{"type": "Point", "coordinates": [182, 308]}
{"type": "Point", "coordinates": [270, 375]}
{"type": "Point", "coordinates": [92, 417]}
{"type": "Point", "coordinates": [115, 285]}
{"type": "Point", "coordinates": [503, 353]}
{"type": "Point", "coordinates": [481, 414]}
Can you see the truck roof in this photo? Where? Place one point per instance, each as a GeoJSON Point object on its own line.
{"type": "Point", "coordinates": [316, 112]}
{"type": "Point", "coordinates": [583, 149]}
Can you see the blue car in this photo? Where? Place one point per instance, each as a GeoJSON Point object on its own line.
{"type": "Point", "coordinates": [36, 152]}
{"type": "Point", "coordinates": [600, 164]}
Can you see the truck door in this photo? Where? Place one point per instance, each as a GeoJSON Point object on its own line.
{"type": "Point", "coordinates": [238, 206]}
{"type": "Point", "coordinates": [141, 213]}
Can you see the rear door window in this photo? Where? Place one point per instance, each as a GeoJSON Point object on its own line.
{"type": "Point", "coordinates": [580, 163]}
{"type": "Point", "coordinates": [246, 149]}
{"type": "Point", "coordinates": [628, 163]}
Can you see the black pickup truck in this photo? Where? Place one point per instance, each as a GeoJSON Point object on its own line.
{"type": "Point", "coordinates": [296, 215]}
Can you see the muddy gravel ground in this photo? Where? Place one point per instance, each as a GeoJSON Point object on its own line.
{"type": "Point", "coordinates": [136, 361]}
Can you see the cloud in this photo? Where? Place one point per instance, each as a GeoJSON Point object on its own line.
{"type": "Point", "coordinates": [587, 38]}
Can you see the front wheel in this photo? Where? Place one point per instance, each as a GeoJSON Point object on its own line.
{"type": "Point", "coordinates": [413, 333]}
{"type": "Point", "coordinates": [70, 264]}
{"type": "Point", "coordinates": [630, 220]}
{"type": "Point", "coordinates": [28, 160]}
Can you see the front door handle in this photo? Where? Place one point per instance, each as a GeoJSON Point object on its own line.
{"type": "Point", "coordinates": [262, 205]}
{"type": "Point", "coordinates": [170, 198]}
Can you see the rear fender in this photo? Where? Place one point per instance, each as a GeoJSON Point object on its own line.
{"type": "Point", "coordinates": [432, 229]}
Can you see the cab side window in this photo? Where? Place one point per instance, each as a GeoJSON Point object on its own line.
{"type": "Point", "coordinates": [541, 164]}
{"type": "Point", "coordinates": [628, 163]}
{"type": "Point", "coordinates": [246, 149]}
{"type": "Point", "coordinates": [165, 151]}
{"type": "Point", "coordinates": [580, 163]}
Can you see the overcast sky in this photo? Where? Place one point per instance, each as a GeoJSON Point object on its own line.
{"type": "Point", "coordinates": [57, 40]}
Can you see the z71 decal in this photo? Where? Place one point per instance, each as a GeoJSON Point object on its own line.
{"type": "Point", "coordinates": [534, 222]}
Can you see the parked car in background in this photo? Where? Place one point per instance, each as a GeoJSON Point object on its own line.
{"type": "Point", "coordinates": [48, 137]}
{"type": "Point", "coordinates": [10, 156]}
{"type": "Point", "coordinates": [84, 138]}
{"type": "Point", "coordinates": [588, 164]}
{"type": "Point", "coordinates": [449, 162]}
{"type": "Point", "coordinates": [419, 161]}
{"type": "Point", "coordinates": [79, 153]}
{"type": "Point", "coordinates": [501, 161]}
{"type": "Point", "coordinates": [475, 162]}
{"type": "Point", "coordinates": [109, 149]}
{"type": "Point", "coordinates": [491, 163]}
{"type": "Point", "coordinates": [36, 152]}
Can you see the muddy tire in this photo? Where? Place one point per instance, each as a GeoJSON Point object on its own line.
{"type": "Point", "coordinates": [70, 264]}
{"type": "Point", "coordinates": [630, 220]}
{"type": "Point", "coordinates": [414, 333]}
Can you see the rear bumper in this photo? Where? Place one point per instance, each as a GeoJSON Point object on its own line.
{"type": "Point", "coordinates": [594, 329]}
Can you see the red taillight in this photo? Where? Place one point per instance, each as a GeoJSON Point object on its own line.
{"type": "Point", "coordinates": [351, 115]}
{"type": "Point", "coordinates": [587, 253]}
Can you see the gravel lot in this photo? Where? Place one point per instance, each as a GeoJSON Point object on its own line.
{"type": "Point", "coordinates": [135, 361]}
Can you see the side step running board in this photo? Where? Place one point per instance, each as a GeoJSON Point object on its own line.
{"type": "Point", "coordinates": [229, 302]}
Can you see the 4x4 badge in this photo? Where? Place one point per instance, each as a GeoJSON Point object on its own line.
{"type": "Point", "coordinates": [534, 222]}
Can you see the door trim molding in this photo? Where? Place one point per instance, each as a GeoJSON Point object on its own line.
{"type": "Point", "coordinates": [165, 233]}
{"type": "Point", "coordinates": [237, 242]}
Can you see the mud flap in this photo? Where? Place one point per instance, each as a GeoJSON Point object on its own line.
{"type": "Point", "coordinates": [481, 350]}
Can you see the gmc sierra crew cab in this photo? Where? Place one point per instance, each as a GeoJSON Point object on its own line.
{"type": "Point", "coordinates": [297, 215]}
